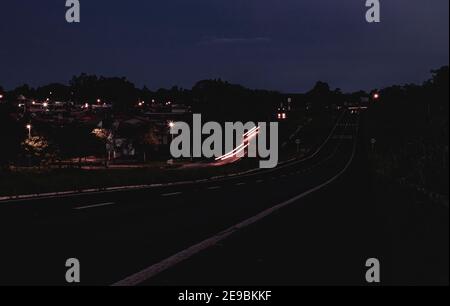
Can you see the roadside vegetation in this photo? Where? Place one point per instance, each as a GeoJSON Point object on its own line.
{"type": "Point", "coordinates": [409, 134]}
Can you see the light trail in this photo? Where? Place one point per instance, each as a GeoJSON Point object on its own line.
{"type": "Point", "coordinates": [247, 137]}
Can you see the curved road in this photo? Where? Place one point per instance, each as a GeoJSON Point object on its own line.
{"type": "Point", "coordinates": [306, 222]}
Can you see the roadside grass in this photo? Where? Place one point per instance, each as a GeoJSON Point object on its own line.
{"type": "Point", "coordinates": [25, 181]}
{"type": "Point", "coordinates": [21, 182]}
{"type": "Point", "coordinates": [418, 228]}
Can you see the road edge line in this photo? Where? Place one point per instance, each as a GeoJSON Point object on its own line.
{"type": "Point", "coordinates": [74, 193]}
{"type": "Point", "coordinates": [153, 270]}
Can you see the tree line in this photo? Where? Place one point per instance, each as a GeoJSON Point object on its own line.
{"type": "Point", "coordinates": [410, 124]}
{"type": "Point", "coordinates": [404, 115]}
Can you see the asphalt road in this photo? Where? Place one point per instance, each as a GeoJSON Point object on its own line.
{"type": "Point", "coordinates": [306, 222]}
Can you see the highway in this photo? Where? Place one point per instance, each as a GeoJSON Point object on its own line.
{"type": "Point", "coordinates": [305, 222]}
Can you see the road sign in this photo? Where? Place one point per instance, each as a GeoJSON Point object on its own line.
{"type": "Point", "coordinates": [298, 142]}
{"type": "Point", "coordinates": [373, 141]}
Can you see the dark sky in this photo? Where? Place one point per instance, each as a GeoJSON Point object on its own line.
{"type": "Point", "coordinates": [285, 45]}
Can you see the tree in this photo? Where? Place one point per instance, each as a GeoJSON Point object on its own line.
{"type": "Point", "coordinates": [24, 90]}
{"type": "Point", "coordinates": [439, 87]}
{"type": "Point", "coordinates": [118, 91]}
{"type": "Point", "coordinates": [76, 142]}
{"type": "Point", "coordinates": [410, 123]}
{"type": "Point", "coordinates": [11, 136]}
{"type": "Point", "coordinates": [321, 96]}
{"type": "Point", "coordinates": [104, 136]}
{"type": "Point", "coordinates": [54, 91]}
{"type": "Point", "coordinates": [148, 141]}
{"type": "Point", "coordinates": [101, 134]}
{"type": "Point", "coordinates": [39, 150]}
{"type": "Point", "coordinates": [221, 101]}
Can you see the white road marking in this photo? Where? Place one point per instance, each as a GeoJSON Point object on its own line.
{"type": "Point", "coordinates": [240, 184]}
{"type": "Point", "coordinates": [259, 181]}
{"type": "Point", "coordinates": [68, 194]}
{"type": "Point", "coordinates": [94, 206]}
{"type": "Point", "coordinates": [157, 268]}
{"type": "Point", "coordinates": [214, 188]}
{"type": "Point", "coordinates": [172, 194]}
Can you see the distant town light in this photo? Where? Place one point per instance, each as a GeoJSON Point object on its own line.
{"type": "Point", "coordinates": [171, 124]}
{"type": "Point", "coordinates": [45, 104]}
{"type": "Point", "coordinates": [1, 96]}
{"type": "Point", "coordinates": [376, 96]}
{"type": "Point", "coordinates": [99, 100]}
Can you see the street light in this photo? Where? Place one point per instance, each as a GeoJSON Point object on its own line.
{"type": "Point", "coordinates": [29, 130]}
{"type": "Point", "coordinates": [171, 126]}
{"type": "Point", "coordinates": [376, 96]}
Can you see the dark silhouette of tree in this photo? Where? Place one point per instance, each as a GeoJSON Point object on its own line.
{"type": "Point", "coordinates": [438, 85]}
{"type": "Point", "coordinates": [222, 101]}
{"type": "Point", "coordinates": [148, 142]}
{"type": "Point", "coordinates": [76, 142]}
{"type": "Point", "coordinates": [118, 91]}
{"type": "Point", "coordinates": [55, 91]}
{"type": "Point", "coordinates": [23, 90]}
{"type": "Point", "coordinates": [410, 123]}
{"type": "Point", "coordinates": [321, 97]}
{"type": "Point", "coordinates": [12, 134]}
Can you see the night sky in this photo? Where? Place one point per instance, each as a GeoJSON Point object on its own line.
{"type": "Point", "coordinates": [285, 45]}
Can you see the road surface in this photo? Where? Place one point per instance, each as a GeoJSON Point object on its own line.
{"type": "Point", "coordinates": [305, 222]}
